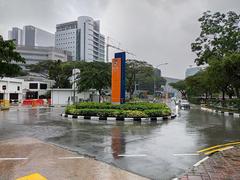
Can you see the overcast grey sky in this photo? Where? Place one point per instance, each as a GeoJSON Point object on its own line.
{"type": "Point", "coordinates": [157, 31]}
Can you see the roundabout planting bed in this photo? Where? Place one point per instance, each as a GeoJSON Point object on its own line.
{"type": "Point", "coordinates": [121, 111]}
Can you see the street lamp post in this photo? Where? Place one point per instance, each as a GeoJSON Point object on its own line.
{"type": "Point", "coordinates": [154, 80]}
{"type": "Point", "coordinates": [75, 73]}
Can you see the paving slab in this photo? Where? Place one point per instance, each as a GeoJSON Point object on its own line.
{"type": "Point", "coordinates": [221, 165]}
{"type": "Point", "coordinates": [21, 157]}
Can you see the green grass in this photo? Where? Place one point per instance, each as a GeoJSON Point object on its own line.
{"type": "Point", "coordinates": [123, 110]}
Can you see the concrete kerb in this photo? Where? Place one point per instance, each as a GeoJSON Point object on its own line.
{"type": "Point", "coordinates": [221, 112]}
{"type": "Point", "coordinates": [95, 118]}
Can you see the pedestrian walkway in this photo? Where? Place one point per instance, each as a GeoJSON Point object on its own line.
{"type": "Point", "coordinates": [224, 164]}
{"type": "Point", "coordinates": [22, 158]}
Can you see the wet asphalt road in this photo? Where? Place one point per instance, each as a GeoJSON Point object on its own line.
{"type": "Point", "coordinates": [151, 148]}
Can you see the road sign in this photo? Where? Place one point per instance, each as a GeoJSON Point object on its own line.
{"type": "Point", "coordinates": [119, 78]}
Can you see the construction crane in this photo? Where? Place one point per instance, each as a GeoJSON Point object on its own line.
{"type": "Point", "coordinates": [108, 45]}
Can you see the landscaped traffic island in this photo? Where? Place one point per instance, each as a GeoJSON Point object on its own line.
{"type": "Point", "coordinates": [128, 110]}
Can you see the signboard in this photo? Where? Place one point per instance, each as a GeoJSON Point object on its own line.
{"type": "Point", "coordinates": [118, 78]}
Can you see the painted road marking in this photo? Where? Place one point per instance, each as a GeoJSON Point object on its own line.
{"type": "Point", "coordinates": [201, 161]}
{"type": "Point", "coordinates": [186, 154]}
{"type": "Point", "coordinates": [217, 150]}
{"type": "Point", "coordinates": [132, 155]}
{"type": "Point", "coordinates": [77, 157]}
{"type": "Point", "coordinates": [12, 159]}
{"type": "Point", "coordinates": [35, 176]}
{"type": "Point", "coordinates": [218, 146]}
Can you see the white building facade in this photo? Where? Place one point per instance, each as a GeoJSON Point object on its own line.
{"type": "Point", "coordinates": [31, 36]}
{"type": "Point", "coordinates": [35, 87]}
{"type": "Point", "coordinates": [16, 34]}
{"type": "Point", "coordinates": [34, 55]}
{"type": "Point", "coordinates": [11, 89]}
{"type": "Point", "coordinates": [34, 36]}
{"type": "Point", "coordinates": [66, 96]}
{"type": "Point", "coordinates": [82, 38]}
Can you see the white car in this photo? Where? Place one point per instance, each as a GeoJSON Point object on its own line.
{"type": "Point", "coordinates": [184, 104]}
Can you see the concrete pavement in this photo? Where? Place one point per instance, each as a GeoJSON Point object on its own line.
{"type": "Point", "coordinates": [24, 156]}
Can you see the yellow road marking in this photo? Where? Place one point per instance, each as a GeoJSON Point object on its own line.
{"type": "Point", "coordinates": [217, 150]}
{"type": "Point", "coordinates": [35, 176]}
{"type": "Point", "coordinates": [218, 146]}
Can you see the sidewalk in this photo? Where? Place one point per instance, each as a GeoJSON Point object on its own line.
{"type": "Point", "coordinates": [221, 165]}
{"type": "Point", "coordinates": [25, 156]}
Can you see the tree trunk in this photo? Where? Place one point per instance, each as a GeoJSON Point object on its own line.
{"type": "Point", "coordinates": [223, 95]}
{"type": "Point", "coordinates": [237, 92]}
{"type": "Point", "coordinates": [131, 93]}
{"type": "Point", "coordinates": [206, 97]}
{"type": "Point", "coordinates": [100, 94]}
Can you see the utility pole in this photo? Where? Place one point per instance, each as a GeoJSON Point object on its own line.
{"type": "Point", "coordinates": [74, 83]}
{"type": "Point", "coordinates": [74, 80]}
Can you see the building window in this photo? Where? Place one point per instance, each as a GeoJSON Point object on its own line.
{"type": "Point", "coordinates": [43, 86]}
{"type": "Point", "coordinates": [33, 85]}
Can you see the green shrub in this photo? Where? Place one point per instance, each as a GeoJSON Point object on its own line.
{"type": "Point", "coordinates": [166, 112]}
{"type": "Point", "coordinates": [153, 113]}
{"type": "Point", "coordinates": [130, 114]}
{"type": "Point", "coordinates": [127, 106]}
{"type": "Point", "coordinates": [142, 109]}
{"type": "Point", "coordinates": [69, 109]}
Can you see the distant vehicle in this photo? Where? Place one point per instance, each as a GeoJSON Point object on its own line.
{"type": "Point", "coordinates": [184, 104]}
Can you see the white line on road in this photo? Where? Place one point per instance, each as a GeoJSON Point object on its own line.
{"type": "Point", "coordinates": [132, 155]}
{"type": "Point", "coordinates": [12, 159]}
{"type": "Point", "coordinates": [186, 154]}
{"type": "Point", "coordinates": [201, 161]}
{"type": "Point", "coordinates": [77, 157]}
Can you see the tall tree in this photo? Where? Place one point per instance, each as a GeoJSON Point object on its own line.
{"type": "Point", "coordinates": [8, 58]}
{"type": "Point", "coordinates": [136, 71]}
{"type": "Point", "coordinates": [42, 67]}
{"type": "Point", "coordinates": [217, 74]}
{"type": "Point", "coordinates": [200, 84]}
{"type": "Point", "coordinates": [95, 75]}
{"type": "Point", "coordinates": [61, 73]}
{"type": "Point", "coordinates": [220, 35]}
{"type": "Point", "coordinates": [231, 65]}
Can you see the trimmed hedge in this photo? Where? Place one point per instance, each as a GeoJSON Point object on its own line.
{"type": "Point", "coordinates": [123, 110]}
{"type": "Point", "coordinates": [228, 103]}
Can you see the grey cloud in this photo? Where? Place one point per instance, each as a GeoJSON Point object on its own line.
{"type": "Point", "coordinates": [155, 30]}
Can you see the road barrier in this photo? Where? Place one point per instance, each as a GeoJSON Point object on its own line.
{"type": "Point", "coordinates": [36, 102]}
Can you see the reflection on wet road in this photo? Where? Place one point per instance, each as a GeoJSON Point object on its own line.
{"type": "Point", "coordinates": [151, 149]}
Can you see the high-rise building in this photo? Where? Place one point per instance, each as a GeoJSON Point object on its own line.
{"type": "Point", "coordinates": [16, 34]}
{"type": "Point", "coordinates": [82, 38]}
{"type": "Point", "coordinates": [34, 36]}
{"type": "Point", "coordinates": [31, 36]}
